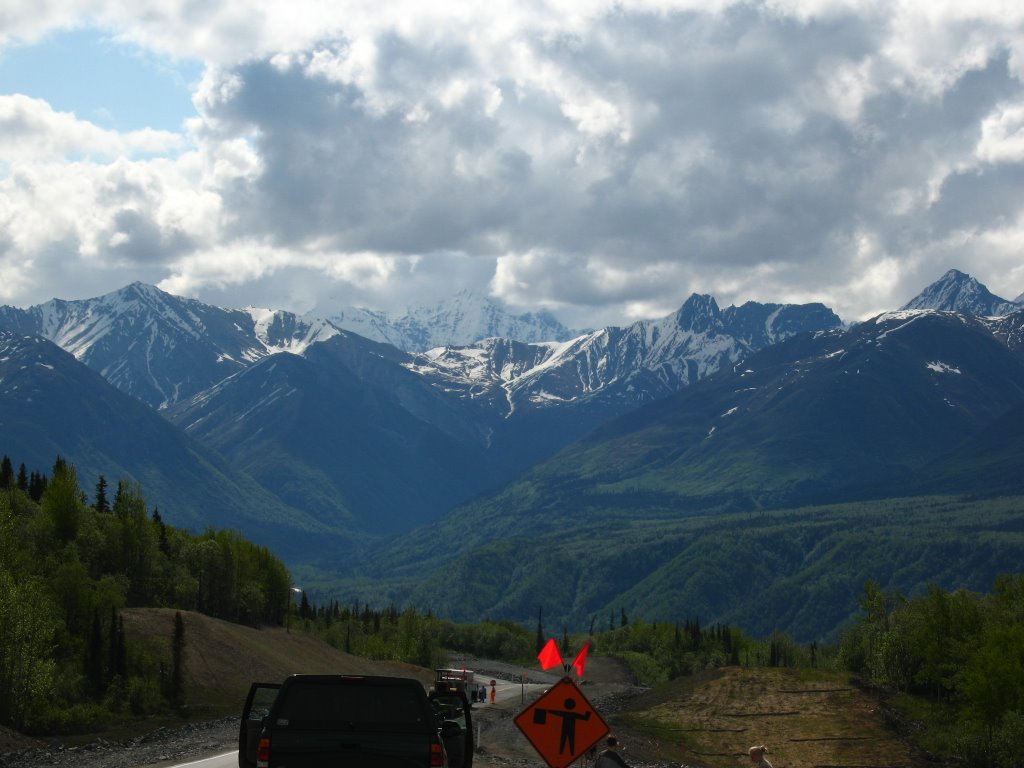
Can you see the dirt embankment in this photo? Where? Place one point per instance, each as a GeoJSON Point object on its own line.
{"type": "Point", "coordinates": [808, 719]}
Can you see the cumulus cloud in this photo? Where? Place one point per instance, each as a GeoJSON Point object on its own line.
{"type": "Point", "coordinates": [32, 131]}
{"type": "Point", "coordinates": [600, 159]}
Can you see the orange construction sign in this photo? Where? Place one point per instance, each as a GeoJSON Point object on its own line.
{"type": "Point", "coordinates": [561, 725]}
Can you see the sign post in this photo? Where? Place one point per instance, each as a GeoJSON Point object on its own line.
{"type": "Point", "coordinates": [562, 725]}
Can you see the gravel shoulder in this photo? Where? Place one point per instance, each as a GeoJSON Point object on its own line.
{"type": "Point", "coordinates": [500, 743]}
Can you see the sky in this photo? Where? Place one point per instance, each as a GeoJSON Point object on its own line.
{"type": "Point", "coordinates": [601, 160]}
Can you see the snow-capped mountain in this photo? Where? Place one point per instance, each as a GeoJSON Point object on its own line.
{"type": "Point", "coordinates": [956, 291]}
{"type": "Point", "coordinates": [162, 348]}
{"type": "Point", "coordinates": [463, 319]}
{"type": "Point", "coordinates": [822, 412]}
{"type": "Point", "coordinates": [355, 409]}
{"type": "Point", "coordinates": [629, 366]}
{"type": "Point", "coordinates": [318, 437]}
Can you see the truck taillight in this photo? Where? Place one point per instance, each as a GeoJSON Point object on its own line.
{"type": "Point", "coordinates": [436, 756]}
{"type": "Point", "coordinates": [263, 754]}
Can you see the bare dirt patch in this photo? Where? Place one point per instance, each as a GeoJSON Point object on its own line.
{"type": "Point", "coordinates": [808, 719]}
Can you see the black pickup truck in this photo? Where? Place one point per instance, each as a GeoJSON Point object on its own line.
{"type": "Point", "coordinates": [354, 721]}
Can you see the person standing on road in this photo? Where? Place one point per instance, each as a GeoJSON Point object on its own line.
{"type": "Point", "coordinates": [757, 756]}
{"type": "Point", "coordinates": [610, 757]}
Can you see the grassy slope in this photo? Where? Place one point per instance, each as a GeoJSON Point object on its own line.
{"type": "Point", "coordinates": [222, 659]}
{"type": "Point", "coordinates": [806, 717]}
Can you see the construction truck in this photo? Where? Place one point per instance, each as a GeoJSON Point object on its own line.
{"type": "Point", "coordinates": [454, 680]}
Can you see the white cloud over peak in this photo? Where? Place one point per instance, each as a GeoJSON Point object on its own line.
{"type": "Point", "coordinates": [601, 158]}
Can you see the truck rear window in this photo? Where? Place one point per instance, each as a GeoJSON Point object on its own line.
{"type": "Point", "coordinates": [333, 704]}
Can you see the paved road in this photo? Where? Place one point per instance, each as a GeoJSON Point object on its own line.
{"type": "Point", "coordinates": [227, 760]}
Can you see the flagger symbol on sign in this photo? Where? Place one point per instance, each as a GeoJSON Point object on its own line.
{"type": "Point", "coordinates": [569, 718]}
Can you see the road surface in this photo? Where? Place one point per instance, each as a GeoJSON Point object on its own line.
{"type": "Point", "coordinates": [227, 760]}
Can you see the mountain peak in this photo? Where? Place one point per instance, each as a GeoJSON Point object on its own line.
{"type": "Point", "coordinates": [699, 313]}
{"type": "Point", "coordinates": [462, 319]}
{"type": "Point", "coordinates": [957, 291]}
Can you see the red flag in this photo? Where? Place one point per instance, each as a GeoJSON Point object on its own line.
{"type": "Point", "coordinates": [549, 655]}
{"type": "Point", "coordinates": [581, 660]}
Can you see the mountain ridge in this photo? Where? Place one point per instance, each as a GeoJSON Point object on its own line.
{"type": "Point", "coordinates": [102, 431]}
{"type": "Point", "coordinates": [663, 508]}
{"type": "Point", "coordinates": [957, 291]}
{"type": "Point", "coordinates": [459, 320]}
{"type": "Point", "coordinates": [521, 454]}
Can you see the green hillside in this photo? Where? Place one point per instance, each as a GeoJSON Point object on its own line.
{"type": "Point", "coordinates": [587, 555]}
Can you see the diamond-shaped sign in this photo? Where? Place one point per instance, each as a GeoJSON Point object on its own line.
{"type": "Point", "coordinates": [561, 725]}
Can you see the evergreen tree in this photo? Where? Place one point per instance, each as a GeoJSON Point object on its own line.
{"type": "Point", "coordinates": [23, 478]}
{"type": "Point", "coordinates": [121, 667]}
{"type": "Point", "coordinates": [177, 692]}
{"type": "Point", "coordinates": [117, 663]}
{"type": "Point", "coordinates": [101, 504]}
{"type": "Point", "coordinates": [37, 484]}
{"type": "Point", "coordinates": [158, 521]}
{"type": "Point", "coordinates": [540, 628]}
{"type": "Point", "coordinates": [6, 473]}
{"type": "Point", "coordinates": [94, 657]}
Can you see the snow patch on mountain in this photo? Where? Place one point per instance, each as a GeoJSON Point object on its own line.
{"type": "Point", "coordinates": [280, 331]}
{"type": "Point", "coordinates": [464, 319]}
{"type": "Point", "coordinates": [639, 363]}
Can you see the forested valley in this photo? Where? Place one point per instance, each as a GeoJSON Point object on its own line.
{"type": "Point", "coordinates": [951, 662]}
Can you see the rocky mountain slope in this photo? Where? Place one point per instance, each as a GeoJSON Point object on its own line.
{"type": "Point", "coordinates": [162, 348]}
{"type": "Point", "coordinates": [956, 291]}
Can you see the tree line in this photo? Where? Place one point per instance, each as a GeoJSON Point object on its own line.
{"type": "Point", "coordinates": [69, 566]}
{"type": "Point", "coordinates": [956, 657]}
{"type": "Point", "coordinates": [410, 635]}
{"type": "Point", "coordinates": [654, 652]}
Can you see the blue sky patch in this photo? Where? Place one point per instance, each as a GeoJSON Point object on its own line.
{"type": "Point", "coordinates": [111, 84]}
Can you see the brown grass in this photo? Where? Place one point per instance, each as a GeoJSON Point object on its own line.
{"type": "Point", "coordinates": [222, 659]}
{"type": "Point", "coordinates": [808, 719]}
